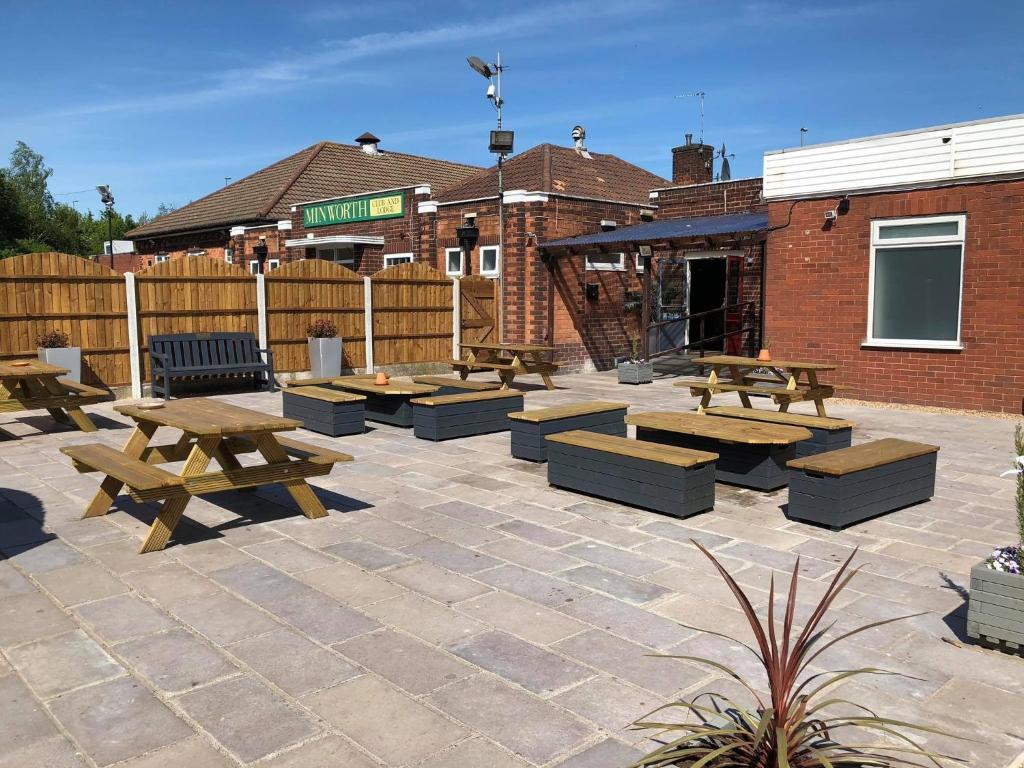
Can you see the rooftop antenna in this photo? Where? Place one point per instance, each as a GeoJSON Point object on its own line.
{"type": "Point", "coordinates": [226, 180]}
{"type": "Point", "coordinates": [700, 101]}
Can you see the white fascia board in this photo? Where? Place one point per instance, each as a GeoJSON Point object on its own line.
{"type": "Point", "coordinates": [237, 231]}
{"type": "Point", "coordinates": [423, 189]}
{"type": "Point", "coordinates": [427, 206]}
{"type": "Point", "coordinates": [523, 196]}
{"type": "Point", "coordinates": [284, 224]}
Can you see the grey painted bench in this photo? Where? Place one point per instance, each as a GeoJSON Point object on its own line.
{"type": "Point", "coordinates": [529, 428]}
{"type": "Point", "coordinates": [388, 403]}
{"type": "Point", "coordinates": [199, 356]}
{"type": "Point", "coordinates": [463, 415]}
{"type": "Point", "coordinates": [843, 487]}
{"type": "Point", "coordinates": [448, 385]}
{"type": "Point", "coordinates": [750, 453]}
{"type": "Point", "coordinates": [827, 434]}
{"type": "Point", "coordinates": [675, 481]}
{"type": "Point", "coordinates": [327, 411]}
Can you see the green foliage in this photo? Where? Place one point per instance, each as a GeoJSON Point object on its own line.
{"type": "Point", "coordinates": [795, 725]}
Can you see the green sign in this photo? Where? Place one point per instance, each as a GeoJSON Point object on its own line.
{"type": "Point", "coordinates": [357, 209]}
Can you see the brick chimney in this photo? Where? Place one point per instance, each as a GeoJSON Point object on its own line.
{"type": "Point", "coordinates": [692, 163]}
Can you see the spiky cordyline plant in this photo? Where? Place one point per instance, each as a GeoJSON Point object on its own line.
{"type": "Point", "coordinates": [793, 729]}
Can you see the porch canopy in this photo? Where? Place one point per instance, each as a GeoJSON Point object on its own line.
{"type": "Point", "coordinates": [667, 231]}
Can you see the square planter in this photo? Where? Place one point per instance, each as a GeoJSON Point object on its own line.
{"type": "Point", "coordinates": [995, 611]}
{"type": "Point", "coordinates": [635, 373]}
{"type": "Point", "coordinates": [324, 357]}
{"type": "Point", "coordinates": [64, 357]}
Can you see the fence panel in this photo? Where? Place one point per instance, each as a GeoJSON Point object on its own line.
{"type": "Point", "coordinates": [40, 292]}
{"type": "Point", "coordinates": [303, 291]}
{"type": "Point", "coordinates": [412, 315]}
{"type": "Point", "coordinates": [196, 294]}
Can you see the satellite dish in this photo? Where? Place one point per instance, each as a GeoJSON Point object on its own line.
{"type": "Point", "coordinates": [726, 171]}
{"type": "Point", "coordinates": [479, 65]}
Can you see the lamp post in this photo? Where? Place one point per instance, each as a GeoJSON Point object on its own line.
{"type": "Point", "coordinates": [108, 200]}
{"type": "Point", "coordinates": [501, 145]}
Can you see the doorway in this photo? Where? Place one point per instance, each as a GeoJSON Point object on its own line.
{"type": "Point", "coordinates": [706, 291]}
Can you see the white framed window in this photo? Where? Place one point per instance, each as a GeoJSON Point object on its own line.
{"type": "Point", "coordinates": [611, 262]}
{"type": "Point", "coordinates": [345, 256]}
{"type": "Point", "coordinates": [490, 260]}
{"type": "Point", "coordinates": [254, 266]}
{"type": "Point", "coordinates": [229, 255]}
{"type": "Point", "coordinates": [162, 257]}
{"type": "Point", "coordinates": [915, 284]}
{"type": "Point", "coordinates": [453, 262]}
{"type": "Point", "coordinates": [639, 260]}
{"type": "Point", "coordinates": [391, 259]}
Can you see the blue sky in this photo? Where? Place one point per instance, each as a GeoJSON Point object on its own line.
{"type": "Point", "coordinates": [163, 100]}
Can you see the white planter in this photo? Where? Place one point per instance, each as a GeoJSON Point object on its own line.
{"type": "Point", "coordinates": [324, 357]}
{"type": "Point", "coordinates": [64, 357]}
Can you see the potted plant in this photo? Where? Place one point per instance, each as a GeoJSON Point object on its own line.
{"type": "Point", "coordinates": [801, 720]}
{"type": "Point", "coordinates": [324, 349]}
{"type": "Point", "coordinates": [765, 355]}
{"type": "Point", "coordinates": [995, 610]}
{"type": "Point", "coordinates": [53, 347]}
{"type": "Point", "coordinates": [634, 370]}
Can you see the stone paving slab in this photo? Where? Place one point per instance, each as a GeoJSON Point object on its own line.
{"type": "Point", "coordinates": [455, 610]}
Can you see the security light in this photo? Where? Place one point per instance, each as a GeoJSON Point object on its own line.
{"type": "Point", "coordinates": [646, 251]}
{"type": "Point", "coordinates": [501, 142]}
{"type": "Point", "coordinates": [105, 197]}
{"type": "Point", "coordinates": [479, 65]}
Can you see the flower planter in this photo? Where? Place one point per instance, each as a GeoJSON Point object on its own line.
{"type": "Point", "coordinates": [324, 357]}
{"type": "Point", "coordinates": [635, 373]}
{"type": "Point", "coordinates": [64, 357]}
{"type": "Point", "coordinates": [995, 612]}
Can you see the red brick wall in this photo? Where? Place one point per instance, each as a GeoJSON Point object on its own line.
{"type": "Point", "coordinates": [817, 298]}
{"type": "Point", "coordinates": [692, 163]}
{"type": "Point", "coordinates": [714, 199]}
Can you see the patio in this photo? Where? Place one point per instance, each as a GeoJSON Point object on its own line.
{"type": "Point", "coordinates": [455, 611]}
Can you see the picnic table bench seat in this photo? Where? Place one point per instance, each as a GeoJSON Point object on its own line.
{"type": "Point", "coordinates": [449, 385]}
{"type": "Point", "coordinates": [529, 428]}
{"type": "Point", "coordinates": [207, 355]}
{"type": "Point", "coordinates": [751, 453]}
{"type": "Point", "coordinates": [843, 487]}
{"type": "Point", "coordinates": [827, 434]}
{"type": "Point", "coordinates": [321, 381]}
{"type": "Point", "coordinates": [442, 417]}
{"type": "Point", "coordinates": [675, 481]}
{"type": "Point", "coordinates": [148, 482]}
{"type": "Point", "coordinates": [779, 394]}
{"type": "Point", "coordinates": [328, 411]}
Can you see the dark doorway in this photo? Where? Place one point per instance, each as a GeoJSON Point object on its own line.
{"type": "Point", "coordinates": [707, 291]}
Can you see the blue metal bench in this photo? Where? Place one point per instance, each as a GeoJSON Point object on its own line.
{"type": "Point", "coordinates": [207, 356]}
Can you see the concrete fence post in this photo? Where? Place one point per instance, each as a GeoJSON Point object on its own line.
{"type": "Point", "coordinates": [368, 321]}
{"type": "Point", "coordinates": [456, 318]}
{"type": "Point", "coordinates": [261, 311]}
{"type": "Point", "coordinates": [134, 351]}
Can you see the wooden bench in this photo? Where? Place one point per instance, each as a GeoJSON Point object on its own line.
{"type": "Point", "coordinates": [780, 395]}
{"type": "Point", "coordinates": [147, 482]}
{"type": "Point", "coordinates": [827, 434]}
{"type": "Point", "coordinates": [199, 356]}
{"type": "Point", "coordinates": [327, 411]}
{"type": "Point", "coordinates": [447, 385]}
{"type": "Point", "coordinates": [839, 488]}
{"type": "Point", "coordinates": [751, 453]}
{"type": "Point", "coordinates": [676, 481]}
{"type": "Point", "coordinates": [388, 403]}
{"type": "Point", "coordinates": [529, 428]}
{"type": "Point", "coordinates": [470, 413]}
{"type": "Point", "coordinates": [311, 382]}
{"type": "Point", "coordinates": [506, 369]}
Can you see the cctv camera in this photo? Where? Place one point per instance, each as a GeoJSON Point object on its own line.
{"type": "Point", "coordinates": [490, 92]}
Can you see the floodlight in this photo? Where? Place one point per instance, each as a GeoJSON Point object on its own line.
{"type": "Point", "coordinates": [501, 142]}
{"type": "Point", "coordinates": [479, 65]}
{"type": "Point", "coordinates": [105, 196]}
{"type": "Point", "coordinates": [491, 92]}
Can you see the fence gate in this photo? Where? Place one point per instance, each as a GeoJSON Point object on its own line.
{"type": "Point", "coordinates": [479, 302]}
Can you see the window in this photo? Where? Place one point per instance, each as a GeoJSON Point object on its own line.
{"type": "Point", "coordinates": [607, 261]}
{"type": "Point", "coordinates": [915, 289]}
{"type": "Point", "coordinates": [345, 256]}
{"type": "Point", "coordinates": [392, 259]}
{"type": "Point", "coordinates": [453, 261]}
{"type": "Point", "coordinates": [639, 264]}
{"type": "Point", "coordinates": [254, 266]}
{"type": "Point", "coordinates": [490, 260]}
{"type": "Point", "coordinates": [162, 257]}
{"type": "Point", "coordinates": [229, 255]}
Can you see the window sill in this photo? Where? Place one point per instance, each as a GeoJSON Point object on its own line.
{"type": "Point", "coordinates": [490, 275]}
{"type": "Point", "coordinates": [937, 346]}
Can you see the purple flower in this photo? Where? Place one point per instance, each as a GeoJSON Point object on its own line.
{"type": "Point", "coordinates": [1007, 559]}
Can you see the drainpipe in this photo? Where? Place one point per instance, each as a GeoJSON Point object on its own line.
{"type": "Point", "coordinates": [764, 273]}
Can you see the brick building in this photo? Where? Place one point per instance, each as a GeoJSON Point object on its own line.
{"type": "Point", "coordinates": [899, 258]}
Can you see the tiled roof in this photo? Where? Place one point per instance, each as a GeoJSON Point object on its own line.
{"type": "Point", "coordinates": [318, 172]}
{"type": "Point", "coordinates": [562, 170]}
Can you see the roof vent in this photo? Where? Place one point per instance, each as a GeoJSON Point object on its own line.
{"type": "Point", "coordinates": [368, 142]}
{"type": "Point", "coordinates": [579, 137]}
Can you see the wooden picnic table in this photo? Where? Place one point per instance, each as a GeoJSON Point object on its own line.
{"type": "Point", "coordinates": [507, 360]}
{"type": "Point", "coordinates": [27, 385]}
{"type": "Point", "coordinates": [786, 381]}
{"type": "Point", "coordinates": [211, 430]}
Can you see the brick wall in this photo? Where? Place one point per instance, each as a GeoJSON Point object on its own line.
{"type": "Point", "coordinates": [692, 163]}
{"type": "Point", "coordinates": [817, 297]}
{"type": "Point", "coordinates": [711, 199]}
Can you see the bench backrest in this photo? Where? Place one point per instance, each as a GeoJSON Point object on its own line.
{"type": "Point", "coordinates": [196, 350]}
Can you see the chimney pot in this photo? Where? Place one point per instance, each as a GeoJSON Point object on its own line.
{"type": "Point", "coordinates": [689, 139]}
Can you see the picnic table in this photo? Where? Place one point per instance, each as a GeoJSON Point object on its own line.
{"type": "Point", "coordinates": [27, 385]}
{"type": "Point", "coordinates": [210, 430]}
{"type": "Point", "coordinates": [785, 381]}
{"type": "Point", "coordinates": [507, 360]}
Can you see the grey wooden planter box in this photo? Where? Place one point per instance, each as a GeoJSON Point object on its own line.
{"type": "Point", "coordinates": [528, 437]}
{"type": "Point", "coordinates": [445, 421]}
{"type": "Point", "coordinates": [673, 490]}
{"type": "Point", "coordinates": [334, 419]}
{"type": "Point", "coordinates": [995, 611]}
{"type": "Point", "coordinates": [840, 501]}
{"type": "Point", "coordinates": [390, 409]}
{"type": "Point", "coordinates": [753, 466]}
{"type": "Point", "coordinates": [448, 385]}
{"type": "Point", "coordinates": [824, 440]}
{"type": "Point", "coordinates": [635, 373]}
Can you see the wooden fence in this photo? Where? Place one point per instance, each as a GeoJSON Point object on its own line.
{"type": "Point", "coordinates": [411, 310]}
{"type": "Point", "coordinates": [41, 292]}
